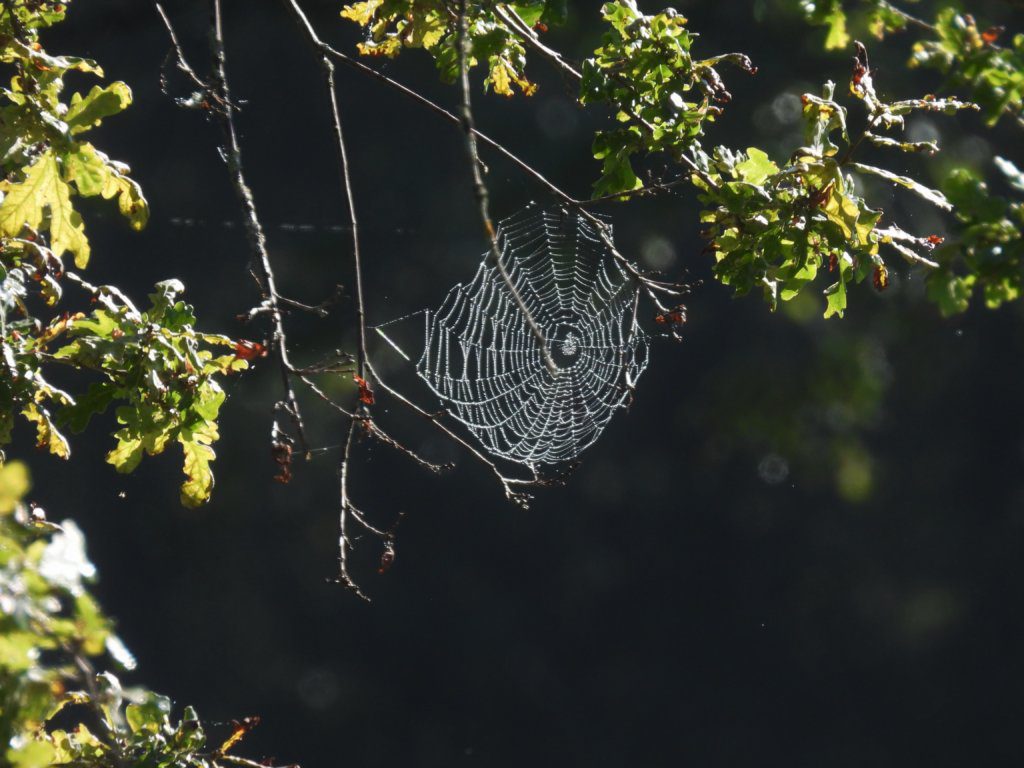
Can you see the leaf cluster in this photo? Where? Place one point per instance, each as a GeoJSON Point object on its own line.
{"type": "Point", "coordinates": [775, 227]}
{"type": "Point", "coordinates": [987, 255]}
{"type": "Point", "coordinates": [154, 363]}
{"type": "Point", "coordinates": [162, 369]}
{"type": "Point", "coordinates": [992, 74]}
{"type": "Point", "coordinates": [778, 226]}
{"type": "Point", "coordinates": [968, 54]}
{"type": "Point", "coordinates": [660, 95]}
{"type": "Point", "coordinates": [56, 708]}
{"type": "Point", "coordinates": [432, 25]}
{"type": "Point", "coordinates": [877, 17]}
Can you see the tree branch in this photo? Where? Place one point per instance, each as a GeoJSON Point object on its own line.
{"type": "Point", "coordinates": [219, 90]}
{"type": "Point", "coordinates": [482, 195]}
{"type": "Point", "coordinates": [507, 483]}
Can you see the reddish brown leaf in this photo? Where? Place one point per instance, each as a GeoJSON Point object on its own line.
{"type": "Point", "coordinates": [992, 34]}
{"type": "Point", "coordinates": [365, 393]}
{"type": "Point", "coordinates": [282, 455]}
{"type": "Point", "coordinates": [249, 350]}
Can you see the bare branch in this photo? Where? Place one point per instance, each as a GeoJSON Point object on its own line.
{"type": "Point", "coordinates": [353, 222]}
{"type": "Point", "coordinates": [253, 226]}
{"type": "Point", "coordinates": [508, 483]}
{"type": "Point", "coordinates": [482, 195]}
{"type": "Point", "coordinates": [508, 14]}
{"type": "Point", "coordinates": [180, 61]}
{"type": "Point", "coordinates": [344, 507]}
{"type": "Point", "coordinates": [651, 287]}
{"type": "Point", "coordinates": [326, 50]}
{"type": "Point", "coordinates": [219, 91]}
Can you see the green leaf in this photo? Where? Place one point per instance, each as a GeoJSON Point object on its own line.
{"type": "Point", "coordinates": [126, 455]}
{"type": "Point", "coordinates": [94, 627]}
{"type": "Point", "coordinates": [93, 173]}
{"type": "Point", "coordinates": [150, 716]}
{"type": "Point", "coordinates": [32, 754]}
{"type": "Point", "coordinates": [96, 400]}
{"type": "Point", "coordinates": [952, 293]}
{"type": "Point", "coordinates": [835, 295]}
{"type": "Point", "coordinates": [88, 111]}
{"type": "Point", "coordinates": [18, 650]}
{"type": "Point", "coordinates": [843, 211]}
{"type": "Point", "coordinates": [86, 170]}
{"type": "Point", "coordinates": [14, 484]}
{"type": "Point", "coordinates": [757, 167]}
{"type": "Point", "coordinates": [837, 38]}
{"type": "Point", "coordinates": [927, 147]}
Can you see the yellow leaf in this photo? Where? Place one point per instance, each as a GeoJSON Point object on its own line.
{"type": "Point", "coordinates": [501, 78]}
{"type": "Point", "coordinates": [198, 483]}
{"type": "Point", "coordinates": [389, 47]}
{"type": "Point", "coordinates": [47, 435]}
{"type": "Point", "coordinates": [843, 211]}
{"type": "Point", "coordinates": [126, 455]}
{"type": "Point", "coordinates": [427, 30]}
{"type": "Point", "coordinates": [361, 13]}
{"type": "Point", "coordinates": [43, 189]}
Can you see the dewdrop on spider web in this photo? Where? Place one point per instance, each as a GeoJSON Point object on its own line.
{"type": "Point", "coordinates": [485, 363]}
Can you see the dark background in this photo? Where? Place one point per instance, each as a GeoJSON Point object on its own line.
{"type": "Point", "coordinates": [802, 545]}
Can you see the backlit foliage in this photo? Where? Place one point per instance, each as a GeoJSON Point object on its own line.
{"type": "Point", "coordinates": [160, 371]}
{"type": "Point", "coordinates": [660, 95]}
{"type": "Point", "coordinates": [432, 25]}
{"type": "Point", "coordinates": [61, 699]}
{"type": "Point", "coordinates": [778, 225]}
{"type": "Point", "coordinates": [985, 64]}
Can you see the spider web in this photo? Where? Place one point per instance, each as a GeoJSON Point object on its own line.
{"type": "Point", "coordinates": [482, 360]}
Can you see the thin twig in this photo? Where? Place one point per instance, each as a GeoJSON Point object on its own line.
{"type": "Point", "coordinates": [257, 238]}
{"type": "Point", "coordinates": [907, 17]}
{"type": "Point", "coordinates": [437, 109]}
{"type": "Point", "coordinates": [482, 195]}
{"type": "Point", "coordinates": [651, 287]}
{"type": "Point", "coordinates": [508, 14]}
{"type": "Point", "coordinates": [180, 61]}
{"type": "Point", "coordinates": [344, 506]}
{"type": "Point", "coordinates": [507, 483]}
{"type": "Point", "coordinates": [353, 222]}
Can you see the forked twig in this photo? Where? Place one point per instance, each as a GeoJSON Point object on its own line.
{"type": "Point", "coordinates": [507, 483]}
{"type": "Point", "coordinates": [217, 88]}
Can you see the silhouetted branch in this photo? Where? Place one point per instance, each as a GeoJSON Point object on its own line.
{"type": "Point", "coordinates": [507, 483]}
{"type": "Point", "coordinates": [218, 90]}
{"type": "Point", "coordinates": [482, 195]}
